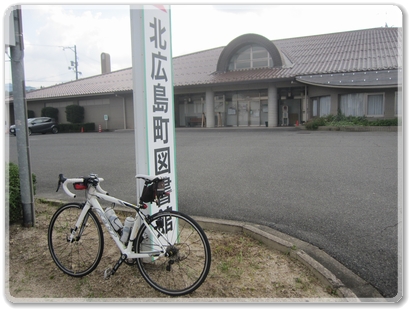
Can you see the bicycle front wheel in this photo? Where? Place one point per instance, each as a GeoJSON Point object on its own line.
{"type": "Point", "coordinates": [188, 256]}
{"type": "Point", "coordinates": [82, 255]}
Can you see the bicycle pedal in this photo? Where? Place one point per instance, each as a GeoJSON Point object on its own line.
{"type": "Point", "coordinates": [107, 273]}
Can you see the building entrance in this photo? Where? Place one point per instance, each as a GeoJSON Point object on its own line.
{"type": "Point", "coordinates": [247, 109]}
{"type": "Point", "coordinates": [249, 113]}
{"type": "Point", "coordinates": [289, 112]}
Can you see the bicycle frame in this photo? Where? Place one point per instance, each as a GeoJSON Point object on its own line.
{"type": "Point", "coordinates": [169, 248]}
{"type": "Point", "coordinates": [95, 193]}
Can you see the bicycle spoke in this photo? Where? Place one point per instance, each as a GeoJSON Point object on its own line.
{"type": "Point", "coordinates": [82, 255]}
{"type": "Point", "coordinates": [187, 259]}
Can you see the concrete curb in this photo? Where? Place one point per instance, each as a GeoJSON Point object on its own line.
{"type": "Point", "coordinates": [360, 128]}
{"type": "Point", "coordinates": [277, 243]}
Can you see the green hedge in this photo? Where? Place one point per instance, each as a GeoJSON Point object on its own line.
{"type": "Point", "coordinates": [341, 120]}
{"type": "Point", "coordinates": [30, 114]}
{"type": "Point", "coordinates": [50, 112]}
{"type": "Point", "coordinates": [76, 127]}
{"type": "Point", "coordinates": [75, 114]}
{"type": "Point", "coordinates": [15, 205]}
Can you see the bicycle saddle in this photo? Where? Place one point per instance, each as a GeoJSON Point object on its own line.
{"type": "Point", "coordinates": [148, 177]}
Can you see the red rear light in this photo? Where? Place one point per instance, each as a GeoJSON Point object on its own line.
{"type": "Point", "coordinates": [79, 186]}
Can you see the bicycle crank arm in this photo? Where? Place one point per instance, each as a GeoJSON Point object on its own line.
{"type": "Point", "coordinates": [109, 272]}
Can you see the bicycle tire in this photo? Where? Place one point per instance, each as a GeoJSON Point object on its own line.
{"type": "Point", "coordinates": [188, 259]}
{"type": "Point", "coordinates": [82, 256]}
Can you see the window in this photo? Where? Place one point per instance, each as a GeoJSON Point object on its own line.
{"type": "Point", "coordinates": [321, 106]}
{"type": "Point", "coordinates": [352, 105]}
{"type": "Point", "coordinates": [375, 105]}
{"type": "Point", "coordinates": [360, 104]}
{"type": "Point", "coordinates": [251, 56]}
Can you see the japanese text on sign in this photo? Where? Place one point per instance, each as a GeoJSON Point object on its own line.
{"type": "Point", "coordinates": [159, 91]}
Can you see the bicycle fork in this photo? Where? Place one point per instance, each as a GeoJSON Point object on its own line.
{"type": "Point", "coordinates": [81, 223]}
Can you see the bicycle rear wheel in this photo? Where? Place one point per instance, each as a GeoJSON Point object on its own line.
{"type": "Point", "coordinates": [81, 256]}
{"type": "Point", "coordinates": [188, 257]}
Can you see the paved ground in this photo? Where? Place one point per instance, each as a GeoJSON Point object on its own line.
{"type": "Point", "coordinates": [334, 190]}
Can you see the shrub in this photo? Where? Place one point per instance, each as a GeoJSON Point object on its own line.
{"type": "Point", "coordinates": [342, 120]}
{"type": "Point", "coordinates": [15, 204]}
{"type": "Point", "coordinates": [75, 114]}
{"type": "Point", "coordinates": [50, 112]}
{"type": "Point", "coordinates": [313, 124]}
{"type": "Point", "coordinates": [30, 114]}
{"type": "Point", "coordinates": [73, 128]}
{"type": "Point", "coordinates": [388, 122]}
{"type": "Point", "coordinates": [360, 121]}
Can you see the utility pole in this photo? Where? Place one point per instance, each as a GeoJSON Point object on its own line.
{"type": "Point", "coordinates": [20, 112]}
{"type": "Point", "coordinates": [74, 65]}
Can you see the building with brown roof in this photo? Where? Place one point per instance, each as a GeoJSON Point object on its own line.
{"type": "Point", "coordinates": [256, 82]}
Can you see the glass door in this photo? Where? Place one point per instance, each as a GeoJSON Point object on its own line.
{"type": "Point", "coordinates": [255, 113]}
{"type": "Point", "coordinates": [242, 113]}
{"type": "Point", "coordinates": [231, 114]}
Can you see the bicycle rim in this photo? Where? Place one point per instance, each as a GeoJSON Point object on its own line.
{"type": "Point", "coordinates": [188, 258]}
{"type": "Point", "coordinates": [80, 257]}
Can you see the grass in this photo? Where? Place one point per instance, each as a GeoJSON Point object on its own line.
{"type": "Point", "coordinates": [242, 267]}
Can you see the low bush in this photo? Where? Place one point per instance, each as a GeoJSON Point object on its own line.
{"type": "Point", "coordinates": [76, 127]}
{"type": "Point", "coordinates": [341, 120]}
{"type": "Point", "coordinates": [388, 122]}
{"type": "Point", "coordinates": [313, 124]}
{"type": "Point", "coordinates": [14, 194]}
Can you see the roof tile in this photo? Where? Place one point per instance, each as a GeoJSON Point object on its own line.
{"type": "Point", "coordinates": [361, 50]}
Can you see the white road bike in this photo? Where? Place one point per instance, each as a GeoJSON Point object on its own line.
{"type": "Point", "coordinates": [169, 248]}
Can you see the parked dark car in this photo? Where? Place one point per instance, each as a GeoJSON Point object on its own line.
{"type": "Point", "coordinates": [39, 125]}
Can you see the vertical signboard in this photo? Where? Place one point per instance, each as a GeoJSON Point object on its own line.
{"type": "Point", "coordinates": [153, 97]}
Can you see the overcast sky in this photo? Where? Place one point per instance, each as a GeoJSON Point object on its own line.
{"type": "Point", "coordinates": [52, 31]}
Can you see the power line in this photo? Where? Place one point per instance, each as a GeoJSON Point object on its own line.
{"type": "Point", "coordinates": [73, 64]}
{"type": "Point", "coordinates": [44, 45]}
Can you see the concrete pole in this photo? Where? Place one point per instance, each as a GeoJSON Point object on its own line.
{"type": "Point", "coordinates": [209, 108]}
{"type": "Point", "coordinates": [139, 95]}
{"type": "Point", "coordinates": [75, 62]}
{"type": "Point", "coordinates": [20, 113]}
{"type": "Point", "coordinates": [272, 106]}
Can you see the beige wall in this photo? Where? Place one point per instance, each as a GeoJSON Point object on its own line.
{"type": "Point", "coordinates": [120, 109]}
{"type": "Point", "coordinates": [389, 97]}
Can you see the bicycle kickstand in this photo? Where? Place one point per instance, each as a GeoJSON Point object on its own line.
{"type": "Point", "coordinates": [109, 272]}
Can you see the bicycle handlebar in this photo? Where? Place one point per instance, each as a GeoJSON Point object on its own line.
{"type": "Point", "coordinates": [94, 180]}
{"type": "Point", "coordinates": [91, 180]}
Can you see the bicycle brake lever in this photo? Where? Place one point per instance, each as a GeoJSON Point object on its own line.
{"type": "Point", "coordinates": [61, 180]}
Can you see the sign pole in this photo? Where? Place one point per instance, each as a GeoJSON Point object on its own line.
{"type": "Point", "coordinates": [153, 98]}
{"type": "Point", "coordinates": [139, 97]}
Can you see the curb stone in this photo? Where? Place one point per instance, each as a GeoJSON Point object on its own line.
{"type": "Point", "coordinates": [323, 274]}
{"type": "Point", "coordinates": [355, 128]}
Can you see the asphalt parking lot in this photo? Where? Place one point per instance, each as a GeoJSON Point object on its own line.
{"type": "Point", "coordinates": [336, 190]}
